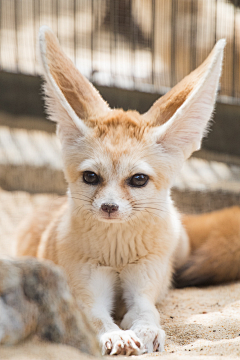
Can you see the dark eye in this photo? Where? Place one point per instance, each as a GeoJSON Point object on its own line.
{"type": "Point", "coordinates": [138, 180]}
{"type": "Point", "coordinates": [90, 177]}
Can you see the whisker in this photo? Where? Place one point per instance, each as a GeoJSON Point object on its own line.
{"type": "Point", "coordinates": [88, 201]}
{"type": "Point", "coordinates": [148, 203]}
{"type": "Point", "coordinates": [81, 194]}
{"type": "Point", "coordinates": [152, 208]}
{"type": "Point", "coordinates": [160, 217]}
{"type": "Point", "coordinates": [79, 208]}
{"type": "Point", "coordinates": [149, 200]}
{"type": "Point", "coordinates": [147, 207]}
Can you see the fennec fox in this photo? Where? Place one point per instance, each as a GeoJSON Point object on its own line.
{"type": "Point", "coordinates": [118, 234]}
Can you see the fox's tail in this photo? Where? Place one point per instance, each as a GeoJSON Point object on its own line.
{"type": "Point", "coordinates": [215, 248]}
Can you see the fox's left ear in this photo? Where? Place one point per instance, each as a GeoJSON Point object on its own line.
{"type": "Point", "coordinates": [183, 113]}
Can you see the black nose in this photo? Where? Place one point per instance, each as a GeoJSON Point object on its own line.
{"type": "Point", "coordinates": [109, 208]}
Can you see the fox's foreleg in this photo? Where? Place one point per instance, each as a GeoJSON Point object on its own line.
{"type": "Point", "coordinates": [144, 284]}
{"type": "Point", "coordinates": [97, 290]}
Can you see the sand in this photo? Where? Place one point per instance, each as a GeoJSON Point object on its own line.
{"type": "Point", "coordinates": [200, 323]}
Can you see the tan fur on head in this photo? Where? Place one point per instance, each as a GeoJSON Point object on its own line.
{"type": "Point", "coordinates": [85, 113]}
{"type": "Point", "coordinates": [113, 143]}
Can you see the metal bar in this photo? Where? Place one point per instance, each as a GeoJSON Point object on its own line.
{"type": "Point", "coordinates": [153, 40]}
{"type": "Point", "coordinates": [34, 32]}
{"type": "Point", "coordinates": [56, 11]}
{"type": "Point", "coordinates": [234, 50]}
{"type": "Point", "coordinates": [116, 28]}
{"type": "Point", "coordinates": [193, 40]}
{"type": "Point", "coordinates": [111, 22]}
{"type": "Point", "coordinates": [52, 12]}
{"type": "Point", "coordinates": [16, 9]}
{"type": "Point", "coordinates": [92, 38]}
{"type": "Point", "coordinates": [173, 43]}
{"type": "Point", "coordinates": [215, 22]}
{"type": "Point", "coordinates": [75, 29]}
{"type": "Point", "coordinates": [133, 38]}
{"type": "Point", "coordinates": [1, 34]}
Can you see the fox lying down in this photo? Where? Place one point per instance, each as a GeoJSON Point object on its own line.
{"type": "Point", "coordinates": [118, 235]}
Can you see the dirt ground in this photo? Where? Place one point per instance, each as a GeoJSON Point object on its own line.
{"type": "Point", "coordinates": [200, 323]}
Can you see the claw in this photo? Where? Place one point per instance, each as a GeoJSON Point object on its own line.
{"type": "Point", "coordinates": [121, 343]}
{"type": "Point", "coordinates": [152, 337]}
{"type": "Point", "coordinates": [108, 345]}
{"type": "Point", "coordinates": [138, 344]}
{"type": "Point", "coordinates": [155, 344]}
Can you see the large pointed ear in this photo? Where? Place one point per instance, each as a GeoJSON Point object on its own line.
{"type": "Point", "coordinates": [184, 112]}
{"type": "Point", "coordinates": [71, 98]}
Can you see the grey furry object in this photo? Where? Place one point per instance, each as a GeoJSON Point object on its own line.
{"type": "Point", "coordinates": [35, 299]}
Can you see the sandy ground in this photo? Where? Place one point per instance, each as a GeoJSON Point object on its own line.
{"type": "Point", "coordinates": [200, 323]}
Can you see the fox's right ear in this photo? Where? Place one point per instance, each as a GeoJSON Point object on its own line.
{"type": "Point", "coordinates": [180, 118]}
{"type": "Point", "coordinates": [70, 97]}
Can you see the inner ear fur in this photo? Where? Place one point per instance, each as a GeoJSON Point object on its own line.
{"type": "Point", "coordinates": [189, 105]}
{"type": "Point", "coordinates": [59, 71]}
{"type": "Point", "coordinates": [165, 107]}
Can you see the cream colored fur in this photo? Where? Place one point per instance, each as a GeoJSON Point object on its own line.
{"type": "Point", "coordinates": [130, 253]}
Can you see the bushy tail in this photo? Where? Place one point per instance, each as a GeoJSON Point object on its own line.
{"type": "Point", "coordinates": [215, 248]}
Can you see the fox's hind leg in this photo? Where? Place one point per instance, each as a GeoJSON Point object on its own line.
{"type": "Point", "coordinates": [215, 248]}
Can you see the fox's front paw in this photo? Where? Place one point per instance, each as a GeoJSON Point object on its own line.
{"type": "Point", "coordinates": [152, 338]}
{"type": "Point", "coordinates": [121, 342]}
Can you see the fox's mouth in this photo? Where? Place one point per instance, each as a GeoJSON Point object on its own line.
{"type": "Point", "coordinates": [111, 218]}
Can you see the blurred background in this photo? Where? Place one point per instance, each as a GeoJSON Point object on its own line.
{"type": "Point", "coordinates": [133, 51]}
